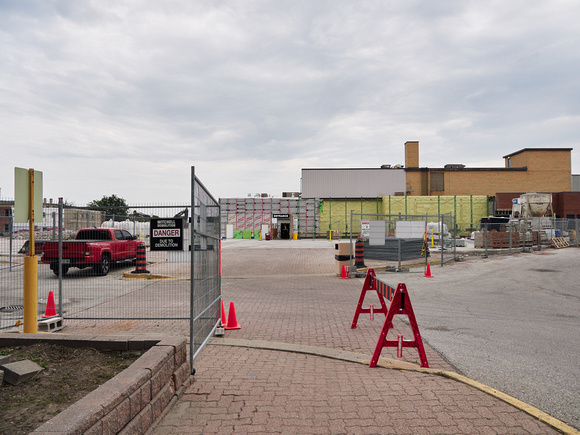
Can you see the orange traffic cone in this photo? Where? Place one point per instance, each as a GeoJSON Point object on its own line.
{"type": "Point", "coordinates": [50, 308]}
{"type": "Point", "coordinates": [223, 314]}
{"type": "Point", "coordinates": [345, 272]}
{"type": "Point", "coordinates": [232, 321]}
{"type": "Point", "coordinates": [428, 271]}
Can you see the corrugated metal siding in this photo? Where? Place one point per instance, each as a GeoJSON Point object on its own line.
{"type": "Point", "coordinates": [575, 183]}
{"type": "Point", "coordinates": [352, 183]}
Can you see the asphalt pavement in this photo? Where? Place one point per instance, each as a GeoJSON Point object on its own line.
{"type": "Point", "coordinates": [511, 322]}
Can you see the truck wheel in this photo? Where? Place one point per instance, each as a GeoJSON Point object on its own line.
{"type": "Point", "coordinates": [55, 269]}
{"type": "Point", "coordinates": [104, 265]}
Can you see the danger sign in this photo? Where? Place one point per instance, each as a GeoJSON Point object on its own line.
{"type": "Point", "coordinates": [166, 234]}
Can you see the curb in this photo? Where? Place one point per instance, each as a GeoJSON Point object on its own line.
{"type": "Point", "coordinates": [135, 398]}
{"type": "Point", "coordinates": [389, 363]}
{"type": "Point", "coordinates": [145, 276]}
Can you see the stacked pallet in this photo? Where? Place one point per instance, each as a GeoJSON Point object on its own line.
{"type": "Point", "coordinates": [497, 239]}
{"type": "Point", "coordinates": [501, 239]}
{"type": "Point", "coordinates": [559, 242]}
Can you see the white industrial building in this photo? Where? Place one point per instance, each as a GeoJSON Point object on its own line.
{"type": "Point", "coordinates": [353, 182]}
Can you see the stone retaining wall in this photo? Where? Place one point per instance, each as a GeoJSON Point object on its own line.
{"type": "Point", "coordinates": [130, 402]}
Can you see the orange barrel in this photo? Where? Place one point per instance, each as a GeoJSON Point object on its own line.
{"type": "Point", "coordinates": [359, 254]}
{"type": "Point", "coordinates": [141, 263]}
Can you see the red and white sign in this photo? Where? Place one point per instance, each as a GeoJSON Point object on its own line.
{"type": "Point", "coordinates": [166, 232]}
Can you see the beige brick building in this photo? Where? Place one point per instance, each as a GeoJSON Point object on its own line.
{"type": "Point", "coordinates": [526, 170]}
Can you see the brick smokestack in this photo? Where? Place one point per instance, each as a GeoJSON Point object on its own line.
{"type": "Point", "coordinates": [412, 154]}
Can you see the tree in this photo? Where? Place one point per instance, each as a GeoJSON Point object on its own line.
{"type": "Point", "coordinates": [112, 205]}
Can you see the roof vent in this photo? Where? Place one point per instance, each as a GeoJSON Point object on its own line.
{"type": "Point", "coordinates": [385, 166]}
{"type": "Point", "coordinates": [454, 166]}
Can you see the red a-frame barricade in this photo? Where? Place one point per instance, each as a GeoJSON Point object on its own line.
{"type": "Point", "coordinates": [369, 284]}
{"type": "Point", "coordinates": [400, 304]}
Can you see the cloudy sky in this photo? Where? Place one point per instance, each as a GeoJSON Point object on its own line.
{"type": "Point", "coordinates": [123, 97]}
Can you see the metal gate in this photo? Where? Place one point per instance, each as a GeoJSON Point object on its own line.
{"type": "Point", "coordinates": [175, 291]}
{"type": "Point", "coordinates": [205, 266]}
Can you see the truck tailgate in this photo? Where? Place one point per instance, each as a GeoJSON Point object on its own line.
{"type": "Point", "coordinates": [70, 249]}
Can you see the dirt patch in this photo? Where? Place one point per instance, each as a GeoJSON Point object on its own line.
{"type": "Point", "coordinates": [69, 374]}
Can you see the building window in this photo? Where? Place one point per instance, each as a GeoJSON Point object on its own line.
{"type": "Point", "coordinates": [437, 183]}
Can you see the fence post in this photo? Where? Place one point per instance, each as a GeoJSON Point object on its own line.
{"type": "Point", "coordinates": [525, 233]}
{"type": "Point", "coordinates": [441, 235]}
{"type": "Point", "coordinates": [60, 228]}
{"type": "Point", "coordinates": [510, 239]}
{"type": "Point", "coordinates": [350, 240]}
{"type": "Point", "coordinates": [11, 237]}
{"type": "Point", "coordinates": [330, 216]}
{"type": "Point", "coordinates": [192, 293]}
{"type": "Point", "coordinates": [426, 241]}
{"type": "Point", "coordinates": [399, 244]}
{"type": "Point", "coordinates": [485, 232]}
{"type": "Point", "coordinates": [455, 238]}
{"type": "Point", "coordinates": [471, 206]}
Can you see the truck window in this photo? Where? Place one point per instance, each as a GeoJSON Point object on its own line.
{"type": "Point", "coordinates": [127, 235]}
{"type": "Point", "coordinates": [119, 235]}
{"type": "Point", "coordinates": [93, 235]}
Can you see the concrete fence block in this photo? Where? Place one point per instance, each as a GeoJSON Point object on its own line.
{"type": "Point", "coordinates": [20, 371]}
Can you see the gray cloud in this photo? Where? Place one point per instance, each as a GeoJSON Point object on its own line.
{"type": "Point", "coordinates": [123, 97]}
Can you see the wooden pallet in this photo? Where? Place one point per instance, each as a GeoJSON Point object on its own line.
{"type": "Point", "coordinates": [560, 242]}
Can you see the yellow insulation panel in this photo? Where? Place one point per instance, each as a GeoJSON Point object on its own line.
{"type": "Point", "coordinates": [335, 213]}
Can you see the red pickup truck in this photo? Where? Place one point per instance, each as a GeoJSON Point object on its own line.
{"type": "Point", "coordinates": [92, 247]}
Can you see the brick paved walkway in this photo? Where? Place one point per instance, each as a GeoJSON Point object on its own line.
{"type": "Point", "coordinates": [290, 296]}
{"type": "Point", "coordinates": [261, 391]}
